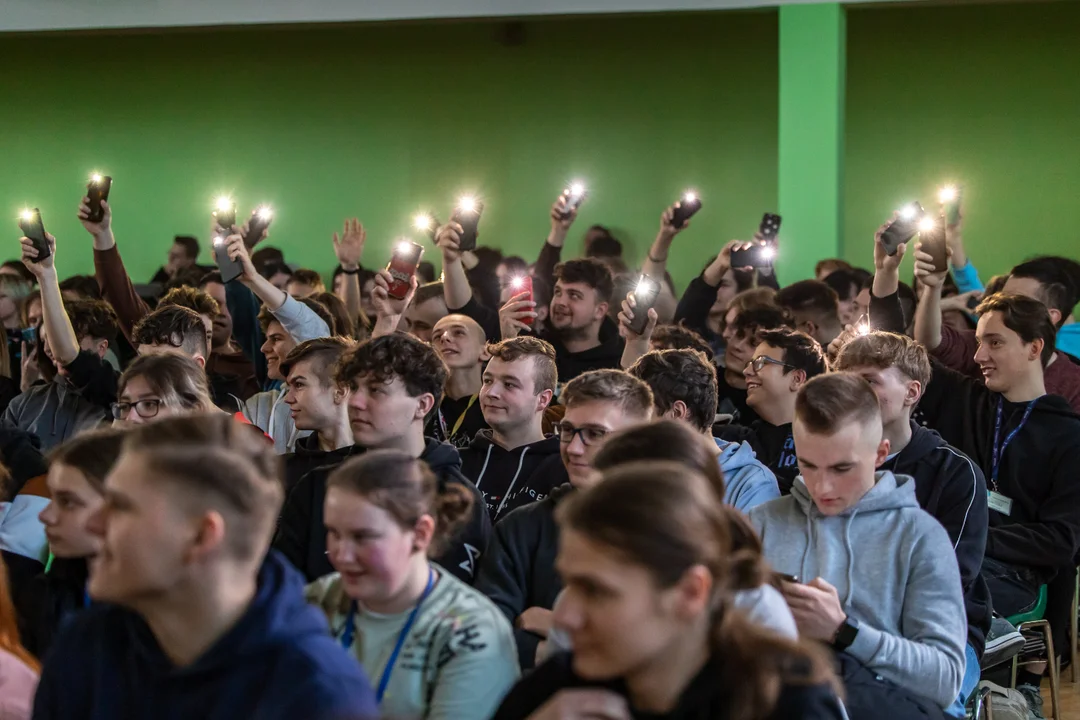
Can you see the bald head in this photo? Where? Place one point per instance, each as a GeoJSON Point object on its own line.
{"type": "Point", "coordinates": [459, 341]}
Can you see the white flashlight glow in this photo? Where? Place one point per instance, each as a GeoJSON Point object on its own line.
{"type": "Point", "coordinates": [947, 194]}
{"type": "Point", "coordinates": [27, 214]}
{"type": "Point", "coordinates": [689, 196]}
{"type": "Point", "coordinates": [422, 221]}
{"type": "Point", "coordinates": [517, 283]}
{"type": "Point", "coordinates": [224, 203]}
{"type": "Point", "coordinates": [644, 285]}
{"type": "Point", "coordinates": [218, 240]}
{"type": "Point", "coordinates": [404, 247]}
{"type": "Point", "coordinates": [767, 252]}
{"type": "Point", "coordinates": [908, 212]}
{"type": "Point", "coordinates": [95, 178]}
{"type": "Point", "coordinates": [467, 204]}
{"type": "Point", "coordinates": [576, 190]}
{"type": "Point", "coordinates": [926, 224]}
{"type": "Point", "coordinates": [265, 212]}
{"type": "Point", "coordinates": [864, 328]}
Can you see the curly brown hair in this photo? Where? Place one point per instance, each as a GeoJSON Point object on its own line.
{"type": "Point", "coordinates": [588, 271]}
{"type": "Point", "coordinates": [191, 299]}
{"type": "Point", "coordinates": [92, 318]}
{"type": "Point", "coordinates": [397, 355]}
{"type": "Point", "coordinates": [174, 325]}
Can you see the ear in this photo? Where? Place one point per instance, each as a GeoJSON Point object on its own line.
{"type": "Point", "coordinates": [424, 532]}
{"type": "Point", "coordinates": [102, 348]}
{"type": "Point", "coordinates": [693, 593]}
{"type": "Point", "coordinates": [1037, 346]}
{"type": "Point", "coordinates": [543, 400]}
{"type": "Point", "coordinates": [424, 404]}
{"type": "Point", "coordinates": [541, 313]}
{"type": "Point", "coordinates": [484, 355]}
{"type": "Point", "coordinates": [341, 394]}
{"type": "Point", "coordinates": [798, 379]}
{"type": "Point", "coordinates": [882, 452]}
{"type": "Point", "coordinates": [811, 328]}
{"type": "Point", "coordinates": [601, 311]}
{"type": "Point", "coordinates": [209, 536]}
{"type": "Point", "coordinates": [679, 411]}
{"type": "Point", "coordinates": [913, 393]}
{"type": "Point", "coordinates": [1055, 316]}
{"type": "Point", "coordinates": [200, 361]}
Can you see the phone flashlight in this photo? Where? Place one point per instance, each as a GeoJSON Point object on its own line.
{"type": "Point", "coordinates": [426, 223]}
{"type": "Point", "coordinates": [95, 178]}
{"type": "Point", "coordinates": [26, 215]}
{"type": "Point", "coordinates": [97, 191]}
{"type": "Point", "coordinates": [223, 203]}
{"type": "Point", "coordinates": [523, 284]}
{"type": "Point", "coordinates": [947, 194]}
{"type": "Point", "coordinates": [685, 208]}
{"type": "Point", "coordinates": [225, 213]}
{"type": "Point", "coordinates": [863, 326]}
{"type": "Point", "coordinates": [467, 215]}
{"type": "Point", "coordinates": [572, 198]}
{"type": "Point", "coordinates": [32, 227]}
{"type": "Point", "coordinates": [257, 225]}
{"type": "Point", "coordinates": [927, 224]}
{"type": "Point", "coordinates": [909, 212]}
{"type": "Point", "coordinates": [645, 295]}
{"type": "Point", "coordinates": [467, 204]}
{"type": "Point", "coordinates": [402, 267]}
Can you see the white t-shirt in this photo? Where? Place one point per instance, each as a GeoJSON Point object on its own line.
{"type": "Point", "coordinates": [457, 662]}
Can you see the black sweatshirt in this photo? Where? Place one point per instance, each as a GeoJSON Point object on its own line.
{"type": "Point", "coordinates": [509, 479]}
{"type": "Point", "coordinates": [301, 533]}
{"type": "Point", "coordinates": [774, 446]}
{"type": "Point", "coordinates": [442, 422]}
{"type": "Point", "coordinates": [1038, 471]}
{"type": "Point", "coordinates": [49, 600]}
{"type": "Point", "coordinates": [705, 698]}
{"type": "Point", "coordinates": [952, 488]}
{"type": "Point", "coordinates": [518, 570]}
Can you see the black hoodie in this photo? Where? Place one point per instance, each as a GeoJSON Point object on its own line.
{"type": "Point", "coordinates": [50, 599]}
{"type": "Point", "coordinates": [301, 533]}
{"type": "Point", "coordinates": [952, 488]}
{"type": "Point", "coordinates": [511, 478]}
{"type": "Point", "coordinates": [774, 446]}
{"type": "Point", "coordinates": [518, 570]}
{"type": "Point", "coordinates": [1038, 470]}
{"type": "Point", "coordinates": [307, 456]}
{"type": "Point", "coordinates": [707, 697]}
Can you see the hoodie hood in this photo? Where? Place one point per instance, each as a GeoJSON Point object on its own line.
{"type": "Point", "coordinates": [1068, 340]}
{"type": "Point", "coordinates": [747, 482]}
{"type": "Point", "coordinates": [485, 439]}
{"type": "Point", "coordinates": [443, 458]}
{"type": "Point", "coordinates": [735, 455]}
{"type": "Point", "coordinates": [510, 478]}
{"type": "Point", "coordinates": [890, 492]}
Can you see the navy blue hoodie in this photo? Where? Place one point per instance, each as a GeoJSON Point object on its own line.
{"type": "Point", "coordinates": [278, 661]}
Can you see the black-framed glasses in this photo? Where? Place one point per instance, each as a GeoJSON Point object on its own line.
{"type": "Point", "coordinates": [759, 363]}
{"type": "Point", "coordinates": [146, 409]}
{"type": "Point", "coordinates": [589, 435]}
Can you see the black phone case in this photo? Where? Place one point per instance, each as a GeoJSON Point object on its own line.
{"type": "Point", "coordinates": [35, 230]}
{"type": "Point", "coordinates": [256, 226]}
{"type": "Point", "coordinates": [770, 226]}
{"type": "Point", "coordinates": [642, 303]}
{"type": "Point", "coordinates": [96, 192]}
{"type": "Point", "coordinates": [685, 210]}
{"type": "Point", "coordinates": [933, 242]}
{"type": "Point", "coordinates": [225, 219]}
{"type": "Point", "coordinates": [469, 223]}
{"type": "Point", "coordinates": [230, 269]}
{"type": "Point", "coordinates": [750, 257]}
{"type": "Point", "coordinates": [900, 231]}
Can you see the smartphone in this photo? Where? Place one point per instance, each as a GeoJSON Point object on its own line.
{"type": "Point", "coordinates": [951, 196]}
{"type": "Point", "coordinates": [973, 302]}
{"type": "Point", "coordinates": [467, 214]}
{"type": "Point", "coordinates": [769, 227]}
{"type": "Point", "coordinates": [225, 215]}
{"type": "Point", "coordinates": [645, 295]}
{"type": "Point", "coordinates": [787, 578]}
{"type": "Point", "coordinates": [29, 335]}
{"type": "Point", "coordinates": [260, 220]}
{"type": "Point", "coordinates": [402, 267]}
{"type": "Point", "coordinates": [758, 255]}
{"type": "Point", "coordinates": [32, 227]}
{"type": "Point", "coordinates": [523, 284]}
{"type": "Point", "coordinates": [230, 269]}
{"type": "Point", "coordinates": [902, 228]}
{"type": "Point", "coordinates": [427, 224]}
{"type": "Point", "coordinates": [932, 239]}
{"type": "Point", "coordinates": [572, 198]}
{"type": "Point", "coordinates": [685, 209]}
{"type": "Point", "coordinates": [97, 190]}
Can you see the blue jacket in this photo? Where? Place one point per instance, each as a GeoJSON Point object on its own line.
{"type": "Point", "coordinates": [278, 661]}
{"type": "Point", "coordinates": [747, 482]}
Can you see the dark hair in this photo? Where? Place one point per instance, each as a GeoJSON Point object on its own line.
{"type": "Point", "coordinates": [1053, 275]}
{"type": "Point", "coordinates": [267, 254]}
{"type": "Point", "coordinates": [189, 243]}
{"type": "Point", "coordinates": [92, 318]}
{"type": "Point", "coordinates": [614, 386]}
{"type": "Point", "coordinates": [427, 291]}
{"type": "Point", "coordinates": [176, 379]}
{"type": "Point", "coordinates": [844, 282]}
{"type": "Point", "coordinates": [397, 355]}
{"type": "Point", "coordinates": [92, 453]}
{"type": "Point", "coordinates": [191, 299]}
{"type": "Point", "coordinates": [324, 354]}
{"type": "Point", "coordinates": [270, 268]}
{"type": "Point", "coordinates": [185, 277]}
{"type": "Point", "coordinates": [406, 489]}
{"type": "Point", "coordinates": [214, 276]}
{"type": "Point", "coordinates": [826, 402]}
{"type": "Point", "coordinates": [685, 375]}
{"type": "Point", "coordinates": [604, 246]}
{"type": "Point", "coordinates": [750, 322]}
{"type": "Point", "coordinates": [24, 272]}
{"type": "Point", "coordinates": [542, 354]}
{"type": "Point", "coordinates": [343, 322]}
{"type": "Point", "coordinates": [836, 262]}
{"type": "Point", "coordinates": [308, 277]}
{"type": "Point", "coordinates": [85, 286]}
{"type": "Point", "coordinates": [515, 265]}
{"type": "Point", "coordinates": [680, 337]}
{"type": "Point", "coordinates": [1027, 317]}
{"type": "Point", "coordinates": [587, 271]}
{"type": "Point", "coordinates": [666, 518]}
{"type": "Point", "coordinates": [811, 296]}
{"type": "Point", "coordinates": [801, 351]}
{"type": "Point", "coordinates": [175, 326]}
{"type": "Point", "coordinates": [884, 350]}
{"type": "Point", "coordinates": [425, 272]}
{"type": "Point", "coordinates": [219, 463]}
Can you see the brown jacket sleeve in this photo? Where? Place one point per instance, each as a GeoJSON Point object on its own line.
{"type": "Point", "coordinates": [117, 289]}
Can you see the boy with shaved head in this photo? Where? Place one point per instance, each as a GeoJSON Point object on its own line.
{"type": "Point", "coordinates": [460, 342]}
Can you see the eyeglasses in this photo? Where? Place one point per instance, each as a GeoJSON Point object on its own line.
{"type": "Point", "coordinates": [759, 363]}
{"type": "Point", "coordinates": [145, 408]}
{"type": "Point", "coordinates": [589, 435]}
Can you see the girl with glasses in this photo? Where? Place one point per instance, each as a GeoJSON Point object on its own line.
{"type": "Point", "coordinates": [161, 385]}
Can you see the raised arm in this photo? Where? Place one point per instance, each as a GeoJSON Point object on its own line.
{"type": "Point", "coordinates": [62, 339]}
{"type": "Point", "coordinates": [349, 249]}
{"type": "Point", "coordinates": [928, 309]}
{"type": "Point", "coordinates": [116, 286]}
{"type": "Point", "coordinates": [551, 253]}
{"type": "Point", "coordinates": [388, 310]}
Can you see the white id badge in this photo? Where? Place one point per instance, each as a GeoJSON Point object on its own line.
{"type": "Point", "coordinates": [999, 502]}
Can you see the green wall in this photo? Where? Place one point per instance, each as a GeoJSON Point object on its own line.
{"type": "Point", "coordinates": [379, 121]}
{"type": "Point", "coordinates": [988, 96]}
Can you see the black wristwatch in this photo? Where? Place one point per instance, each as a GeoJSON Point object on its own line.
{"type": "Point", "coordinates": [845, 635]}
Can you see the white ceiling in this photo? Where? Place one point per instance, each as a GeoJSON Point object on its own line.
{"type": "Point", "coordinates": [36, 15]}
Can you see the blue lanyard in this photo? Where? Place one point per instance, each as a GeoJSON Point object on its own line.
{"type": "Point", "coordinates": [350, 631]}
{"type": "Point", "coordinates": [999, 447]}
{"type": "Point", "coordinates": [86, 598]}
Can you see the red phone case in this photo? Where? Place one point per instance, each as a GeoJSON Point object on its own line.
{"type": "Point", "coordinates": [526, 286]}
{"type": "Point", "coordinates": [402, 267]}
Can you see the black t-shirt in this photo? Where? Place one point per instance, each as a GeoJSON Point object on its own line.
{"type": "Point", "coordinates": [457, 421]}
{"type": "Point", "coordinates": [732, 401]}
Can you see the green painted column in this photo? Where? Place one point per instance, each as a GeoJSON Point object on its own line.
{"type": "Point", "coordinates": [811, 143]}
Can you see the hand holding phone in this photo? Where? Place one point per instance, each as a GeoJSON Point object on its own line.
{"type": "Point", "coordinates": [97, 191]}
{"type": "Point", "coordinates": [757, 255]}
{"type": "Point", "coordinates": [231, 256]}
{"type": "Point", "coordinates": [32, 227]}
{"type": "Point", "coordinates": [903, 228]}
{"type": "Point", "coordinates": [685, 209]}
{"type": "Point", "coordinates": [645, 294]}
{"type": "Point", "coordinates": [571, 200]}
{"type": "Point", "coordinates": [932, 240]}
{"type": "Point", "coordinates": [467, 215]}
{"type": "Point", "coordinates": [261, 217]}
{"type": "Point", "coordinates": [402, 268]}
{"type": "Point", "coordinates": [523, 286]}
{"type": "Point", "coordinates": [225, 215]}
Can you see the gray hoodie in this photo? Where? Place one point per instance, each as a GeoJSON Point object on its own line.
{"type": "Point", "coordinates": [903, 585]}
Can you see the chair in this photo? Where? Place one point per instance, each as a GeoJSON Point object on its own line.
{"type": "Point", "coordinates": [980, 706]}
{"type": "Point", "coordinates": [1034, 620]}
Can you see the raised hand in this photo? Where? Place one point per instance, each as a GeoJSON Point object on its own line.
{"type": "Point", "coordinates": [562, 215]}
{"type": "Point", "coordinates": [238, 252]}
{"type": "Point", "coordinates": [511, 315]}
{"type": "Point", "coordinates": [30, 254]}
{"type": "Point", "coordinates": [386, 306]}
{"type": "Point", "coordinates": [96, 229]}
{"type": "Point", "coordinates": [883, 260]}
{"type": "Point", "coordinates": [627, 315]}
{"type": "Point", "coordinates": [447, 239]}
{"type": "Point", "coordinates": [924, 267]}
{"type": "Point", "coordinates": [350, 246]}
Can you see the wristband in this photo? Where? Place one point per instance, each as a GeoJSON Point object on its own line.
{"type": "Point", "coordinates": [354, 271]}
{"type": "Point", "coordinates": [657, 260]}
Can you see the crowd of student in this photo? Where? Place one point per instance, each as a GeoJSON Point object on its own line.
{"type": "Point", "coordinates": [260, 498]}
